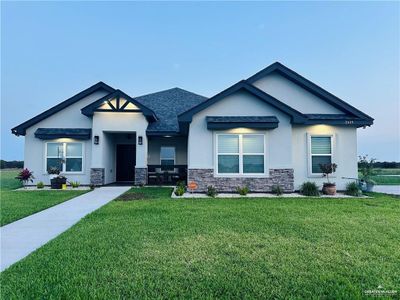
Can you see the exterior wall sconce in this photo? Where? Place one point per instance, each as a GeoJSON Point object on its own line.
{"type": "Point", "coordinates": [140, 140]}
{"type": "Point", "coordinates": [96, 139]}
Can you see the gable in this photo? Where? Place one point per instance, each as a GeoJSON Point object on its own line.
{"type": "Point", "coordinates": [294, 95]}
{"type": "Point", "coordinates": [67, 111]}
{"type": "Point", "coordinates": [118, 101]}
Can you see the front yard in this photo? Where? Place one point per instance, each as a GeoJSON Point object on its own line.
{"type": "Point", "coordinates": [15, 205]}
{"type": "Point", "coordinates": [156, 247]}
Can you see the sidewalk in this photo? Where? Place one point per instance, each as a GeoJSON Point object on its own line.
{"type": "Point", "coordinates": [22, 237]}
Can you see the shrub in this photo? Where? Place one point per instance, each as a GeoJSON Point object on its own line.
{"type": "Point", "coordinates": [352, 189]}
{"type": "Point", "coordinates": [75, 184]}
{"type": "Point", "coordinates": [328, 169]}
{"type": "Point", "coordinates": [180, 190]}
{"type": "Point", "coordinates": [309, 188]}
{"type": "Point", "coordinates": [25, 176]}
{"type": "Point", "coordinates": [243, 191]}
{"type": "Point", "coordinates": [53, 171]}
{"type": "Point", "coordinates": [277, 190]}
{"type": "Point", "coordinates": [211, 191]}
{"type": "Point", "coordinates": [40, 185]}
{"type": "Point", "coordinates": [92, 186]}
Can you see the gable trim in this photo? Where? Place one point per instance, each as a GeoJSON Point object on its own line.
{"type": "Point", "coordinates": [21, 128]}
{"type": "Point", "coordinates": [310, 87]}
{"type": "Point", "coordinates": [90, 109]}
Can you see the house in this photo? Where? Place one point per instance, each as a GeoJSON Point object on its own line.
{"type": "Point", "coordinates": [275, 127]}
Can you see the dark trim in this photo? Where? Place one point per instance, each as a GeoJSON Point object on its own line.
{"type": "Point", "coordinates": [162, 133]}
{"type": "Point", "coordinates": [231, 125]}
{"type": "Point", "coordinates": [295, 115]}
{"type": "Point", "coordinates": [21, 128]}
{"type": "Point", "coordinates": [230, 122]}
{"type": "Point", "coordinates": [93, 107]}
{"type": "Point", "coordinates": [310, 87]}
{"type": "Point", "coordinates": [55, 133]}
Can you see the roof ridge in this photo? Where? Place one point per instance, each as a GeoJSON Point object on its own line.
{"type": "Point", "coordinates": [170, 89]}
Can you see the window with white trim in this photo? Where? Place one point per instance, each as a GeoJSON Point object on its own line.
{"type": "Point", "coordinates": [240, 154]}
{"type": "Point", "coordinates": [167, 158]}
{"type": "Point", "coordinates": [320, 152]}
{"type": "Point", "coordinates": [67, 157]}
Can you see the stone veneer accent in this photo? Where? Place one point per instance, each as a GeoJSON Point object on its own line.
{"type": "Point", "coordinates": [97, 176]}
{"type": "Point", "coordinates": [140, 176]}
{"type": "Point", "coordinates": [205, 177]}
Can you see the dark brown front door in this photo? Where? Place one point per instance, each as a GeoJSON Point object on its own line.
{"type": "Point", "coordinates": [126, 161]}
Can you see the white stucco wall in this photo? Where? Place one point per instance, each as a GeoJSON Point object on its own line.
{"type": "Point", "coordinates": [118, 123]}
{"type": "Point", "coordinates": [180, 144]}
{"type": "Point", "coordinates": [70, 117]}
{"type": "Point", "coordinates": [294, 95]}
{"type": "Point", "coordinates": [201, 142]}
{"type": "Point", "coordinates": [344, 154]}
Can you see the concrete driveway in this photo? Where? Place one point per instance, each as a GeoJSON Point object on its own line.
{"type": "Point", "coordinates": [22, 237]}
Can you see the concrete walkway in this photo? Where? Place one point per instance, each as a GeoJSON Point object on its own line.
{"type": "Point", "coordinates": [22, 237]}
{"type": "Point", "coordinates": [387, 189]}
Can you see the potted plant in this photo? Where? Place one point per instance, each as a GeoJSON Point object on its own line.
{"type": "Point", "coordinates": [366, 168]}
{"type": "Point", "coordinates": [57, 182]}
{"type": "Point", "coordinates": [25, 176]}
{"type": "Point", "coordinates": [53, 172]}
{"type": "Point", "coordinates": [329, 188]}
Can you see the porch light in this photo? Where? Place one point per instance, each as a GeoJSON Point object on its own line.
{"type": "Point", "coordinates": [140, 140]}
{"type": "Point", "coordinates": [167, 136]}
{"type": "Point", "coordinates": [96, 139]}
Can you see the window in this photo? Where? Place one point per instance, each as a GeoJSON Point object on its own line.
{"type": "Point", "coordinates": [240, 154]}
{"type": "Point", "coordinates": [167, 158]}
{"type": "Point", "coordinates": [321, 152]}
{"type": "Point", "coordinates": [67, 157]}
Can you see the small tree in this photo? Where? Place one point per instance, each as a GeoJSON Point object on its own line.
{"type": "Point", "coordinates": [25, 176]}
{"type": "Point", "coordinates": [328, 169]}
{"type": "Point", "coordinates": [366, 167]}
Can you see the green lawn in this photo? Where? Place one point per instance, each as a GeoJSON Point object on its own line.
{"type": "Point", "coordinates": [158, 248]}
{"type": "Point", "coordinates": [15, 205]}
{"type": "Point", "coordinates": [386, 179]}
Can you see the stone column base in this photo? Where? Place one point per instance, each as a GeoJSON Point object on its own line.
{"type": "Point", "coordinates": [140, 176]}
{"type": "Point", "coordinates": [97, 176]}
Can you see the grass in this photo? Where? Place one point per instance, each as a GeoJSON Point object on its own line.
{"type": "Point", "coordinates": [277, 248]}
{"type": "Point", "coordinates": [15, 205]}
{"type": "Point", "coordinates": [386, 179]}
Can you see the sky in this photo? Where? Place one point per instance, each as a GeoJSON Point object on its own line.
{"type": "Point", "coordinates": [53, 50]}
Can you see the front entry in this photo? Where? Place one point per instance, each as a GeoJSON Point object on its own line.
{"type": "Point", "coordinates": [126, 161]}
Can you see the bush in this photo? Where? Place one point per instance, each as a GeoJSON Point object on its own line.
{"type": "Point", "coordinates": [211, 191]}
{"type": "Point", "coordinates": [53, 171]}
{"type": "Point", "coordinates": [75, 184]}
{"type": "Point", "coordinates": [180, 190]}
{"type": "Point", "coordinates": [25, 176]}
{"type": "Point", "coordinates": [243, 191]}
{"type": "Point", "coordinates": [92, 186]}
{"type": "Point", "coordinates": [40, 185]}
{"type": "Point", "coordinates": [309, 188]}
{"type": "Point", "coordinates": [352, 189]}
{"type": "Point", "coordinates": [277, 190]}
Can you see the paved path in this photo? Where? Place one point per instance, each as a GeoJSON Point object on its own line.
{"type": "Point", "coordinates": [20, 238]}
{"type": "Point", "coordinates": [387, 189]}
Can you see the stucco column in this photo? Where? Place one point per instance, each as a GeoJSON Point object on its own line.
{"type": "Point", "coordinates": [141, 158]}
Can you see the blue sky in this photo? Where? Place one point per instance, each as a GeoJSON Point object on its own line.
{"type": "Point", "coordinates": [51, 51]}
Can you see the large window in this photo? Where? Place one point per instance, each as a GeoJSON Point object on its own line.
{"type": "Point", "coordinates": [321, 152]}
{"type": "Point", "coordinates": [67, 157]}
{"type": "Point", "coordinates": [167, 158]}
{"type": "Point", "coordinates": [240, 154]}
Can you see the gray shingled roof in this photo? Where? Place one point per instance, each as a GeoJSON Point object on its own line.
{"type": "Point", "coordinates": [168, 105]}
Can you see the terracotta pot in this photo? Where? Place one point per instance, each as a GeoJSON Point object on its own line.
{"type": "Point", "coordinates": [329, 189]}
